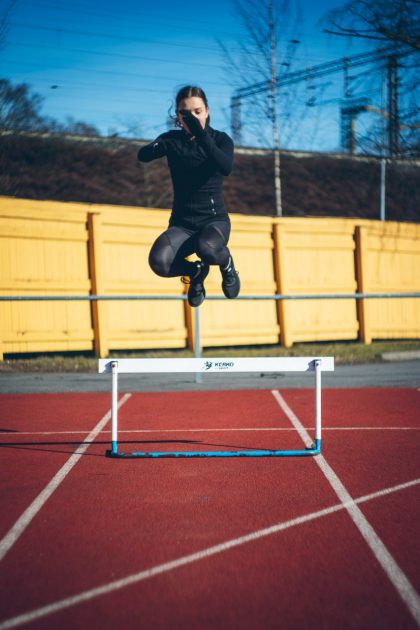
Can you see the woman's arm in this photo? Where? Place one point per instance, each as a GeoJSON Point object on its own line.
{"type": "Point", "coordinates": [153, 151]}
{"type": "Point", "coordinates": [222, 154]}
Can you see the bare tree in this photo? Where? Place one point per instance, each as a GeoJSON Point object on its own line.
{"type": "Point", "coordinates": [396, 23]}
{"type": "Point", "coordinates": [267, 49]}
{"type": "Point", "coordinates": [130, 126]}
{"type": "Point", "coordinates": [19, 109]}
{"type": "Point", "coordinates": [265, 52]}
{"type": "Point", "coordinates": [383, 21]}
{"type": "Point", "coordinates": [79, 128]}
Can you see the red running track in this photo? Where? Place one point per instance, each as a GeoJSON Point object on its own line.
{"type": "Point", "coordinates": [211, 543]}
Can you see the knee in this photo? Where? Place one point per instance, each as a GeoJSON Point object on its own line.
{"type": "Point", "coordinates": [158, 264]}
{"type": "Point", "coordinates": [211, 254]}
{"type": "Point", "coordinates": [208, 252]}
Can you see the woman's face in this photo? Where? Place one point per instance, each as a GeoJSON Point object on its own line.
{"type": "Point", "coordinates": [196, 106]}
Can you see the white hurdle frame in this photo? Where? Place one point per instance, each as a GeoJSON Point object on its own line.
{"type": "Point", "coordinates": [213, 365]}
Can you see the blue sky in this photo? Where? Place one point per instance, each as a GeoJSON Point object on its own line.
{"type": "Point", "coordinates": [118, 65]}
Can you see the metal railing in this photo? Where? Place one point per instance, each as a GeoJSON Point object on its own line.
{"type": "Point", "coordinates": [183, 297]}
{"type": "Point", "coordinates": [276, 297]}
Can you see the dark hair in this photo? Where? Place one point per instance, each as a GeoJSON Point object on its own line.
{"type": "Point", "coordinates": [186, 92]}
{"type": "Point", "coordinates": [190, 90]}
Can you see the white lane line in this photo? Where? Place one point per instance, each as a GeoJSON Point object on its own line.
{"type": "Point", "coordinates": [211, 430]}
{"type": "Point", "coordinates": [134, 578]}
{"type": "Point", "coordinates": [395, 574]}
{"type": "Point", "coordinates": [23, 521]}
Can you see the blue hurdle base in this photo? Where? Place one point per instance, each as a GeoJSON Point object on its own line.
{"type": "Point", "coordinates": [313, 450]}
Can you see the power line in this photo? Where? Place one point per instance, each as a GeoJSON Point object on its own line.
{"type": "Point", "coordinates": [59, 30]}
{"type": "Point", "coordinates": [117, 55]}
{"type": "Point", "coordinates": [72, 88]}
{"type": "Point", "coordinates": [26, 64]}
{"type": "Point", "coordinates": [138, 16]}
{"type": "Point", "coordinates": [110, 72]}
{"type": "Point", "coordinates": [320, 70]}
{"type": "Point", "coordinates": [82, 95]}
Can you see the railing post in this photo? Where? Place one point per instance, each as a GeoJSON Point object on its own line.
{"type": "Point", "coordinates": [362, 282]}
{"type": "Point", "coordinates": [97, 285]}
{"type": "Point", "coordinates": [280, 276]}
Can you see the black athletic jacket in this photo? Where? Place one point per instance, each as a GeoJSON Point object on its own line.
{"type": "Point", "coordinates": [197, 168]}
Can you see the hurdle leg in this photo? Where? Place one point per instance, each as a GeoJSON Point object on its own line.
{"type": "Point", "coordinates": [197, 342]}
{"type": "Point", "coordinates": [114, 409]}
{"type": "Point", "coordinates": [318, 405]}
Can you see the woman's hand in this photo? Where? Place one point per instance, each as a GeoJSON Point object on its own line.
{"type": "Point", "coordinates": [193, 124]}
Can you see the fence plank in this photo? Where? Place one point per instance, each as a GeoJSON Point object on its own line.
{"type": "Point", "coordinates": [316, 256]}
{"type": "Point", "coordinates": [389, 261]}
{"type": "Point", "coordinates": [43, 251]}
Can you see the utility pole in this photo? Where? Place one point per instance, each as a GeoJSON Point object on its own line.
{"type": "Point", "coordinates": [236, 120]}
{"type": "Point", "coordinates": [393, 108]}
{"type": "Point", "coordinates": [276, 138]}
{"type": "Point", "coordinates": [382, 197]}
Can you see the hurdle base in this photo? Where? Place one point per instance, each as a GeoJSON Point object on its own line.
{"type": "Point", "coordinates": [315, 449]}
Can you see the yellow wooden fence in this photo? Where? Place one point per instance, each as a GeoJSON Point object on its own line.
{"type": "Point", "coordinates": [53, 248]}
{"type": "Point", "coordinates": [43, 251]}
{"type": "Point", "coordinates": [388, 261]}
{"type": "Point", "coordinates": [316, 256]}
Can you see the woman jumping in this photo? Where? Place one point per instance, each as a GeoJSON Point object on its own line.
{"type": "Point", "coordinates": [198, 158]}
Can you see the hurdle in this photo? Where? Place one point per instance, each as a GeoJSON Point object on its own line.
{"type": "Point", "coordinates": [220, 366]}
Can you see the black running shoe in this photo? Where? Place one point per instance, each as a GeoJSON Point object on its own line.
{"type": "Point", "coordinates": [196, 291]}
{"type": "Point", "coordinates": [231, 284]}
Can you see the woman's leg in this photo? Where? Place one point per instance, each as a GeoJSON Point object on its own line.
{"type": "Point", "coordinates": [212, 243]}
{"type": "Point", "coordinates": [168, 252]}
{"type": "Point", "coordinates": [167, 259]}
{"type": "Point", "coordinates": [212, 248]}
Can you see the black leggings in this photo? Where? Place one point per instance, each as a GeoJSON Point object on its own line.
{"type": "Point", "coordinates": [168, 253]}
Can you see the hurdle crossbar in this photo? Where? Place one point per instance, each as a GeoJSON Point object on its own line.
{"type": "Point", "coordinates": [220, 366]}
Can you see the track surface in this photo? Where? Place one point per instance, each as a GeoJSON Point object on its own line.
{"type": "Point", "coordinates": [324, 542]}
